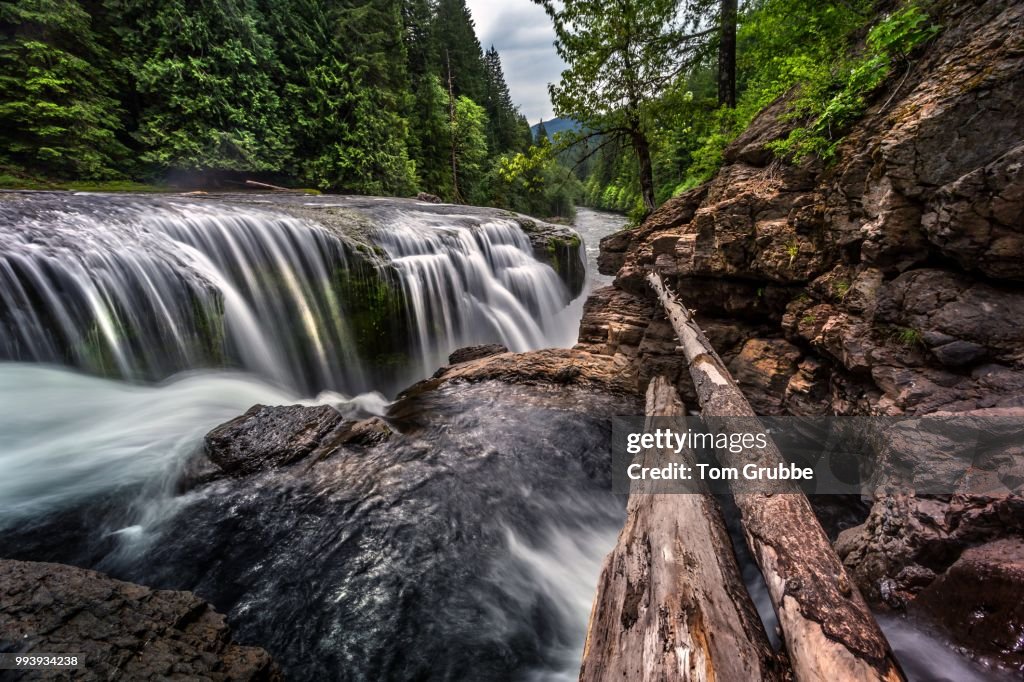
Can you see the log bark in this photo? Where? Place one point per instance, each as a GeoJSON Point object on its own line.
{"type": "Point", "coordinates": [671, 603]}
{"type": "Point", "coordinates": [829, 631]}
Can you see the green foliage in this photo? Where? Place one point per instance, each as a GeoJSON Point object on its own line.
{"type": "Point", "coordinates": [536, 183]}
{"type": "Point", "coordinates": [57, 112]}
{"type": "Point", "coordinates": [832, 100]}
{"type": "Point", "coordinates": [203, 73]}
{"type": "Point", "coordinates": [906, 337]}
{"type": "Point", "coordinates": [468, 138]}
{"type": "Point", "coordinates": [351, 95]}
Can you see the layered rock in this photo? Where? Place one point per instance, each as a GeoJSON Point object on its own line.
{"type": "Point", "coordinates": [888, 283]}
{"type": "Point", "coordinates": [122, 630]}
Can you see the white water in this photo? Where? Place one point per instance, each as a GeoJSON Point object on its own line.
{"type": "Point", "coordinates": [472, 283]}
{"type": "Point", "coordinates": [66, 437]}
{"type": "Point", "coordinates": [143, 289]}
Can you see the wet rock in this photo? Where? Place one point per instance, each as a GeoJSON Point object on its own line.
{"type": "Point", "coordinates": [429, 198]}
{"type": "Point", "coordinates": [124, 631]}
{"type": "Point", "coordinates": [270, 437]}
{"type": "Point", "coordinates": [906, 538]}
{"type": "Point", "coordinates": [475, 353]}
{"type": "Point", "coordinates": [980, 601]}
{"type": "Point", "coordinates": [560, 247]}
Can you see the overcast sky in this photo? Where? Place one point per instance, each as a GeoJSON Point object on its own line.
{"type": "Point", "coordinates": [523, 34]}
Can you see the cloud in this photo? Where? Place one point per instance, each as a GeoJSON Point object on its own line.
{"type": "Point", "coordinates": [523, 35]}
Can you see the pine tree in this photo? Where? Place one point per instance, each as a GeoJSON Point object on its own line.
{"type": "Point", "coordinates": [57, 113]}
{"type": "Point", "coordinates": [542, 133]}
{"type": "Point", "coordinates": [204, 72]}
{"type": "Point", "coordinates": [459, 49]}
{"type": "Point", "coordinates": [503, 130]}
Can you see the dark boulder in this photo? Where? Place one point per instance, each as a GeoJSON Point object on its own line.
{"type": "Point", "coordinates": [270, 437]}
{"type": "Point", "coordinates": [122, 630]}
{"type": "Point", "coordinates": [980, 601]}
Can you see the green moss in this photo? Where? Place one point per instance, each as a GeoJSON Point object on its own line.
{"type": "Point", "coordinates": [840, 288]}
{"type": "Point", "coordinates": [12, 182]}
{"type": "Point", "coordinates": [375, 311]}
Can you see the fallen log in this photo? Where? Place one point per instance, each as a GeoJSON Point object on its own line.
{"type": "Point", "coordinates": [671, 603]}
{"type": "Point", "coordinates": [829, 631]}
{"type": "Point", "coordinates": [265, 185]}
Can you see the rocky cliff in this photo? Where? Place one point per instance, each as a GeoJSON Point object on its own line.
{"type": "Point", "coordinates": [889, 282]}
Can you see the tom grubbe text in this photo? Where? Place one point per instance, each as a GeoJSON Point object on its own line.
{"type": "Point", "coordinates": [677, 441]}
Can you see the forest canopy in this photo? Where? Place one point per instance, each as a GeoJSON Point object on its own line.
{"type": "Point", "coordinates": [398, 96]}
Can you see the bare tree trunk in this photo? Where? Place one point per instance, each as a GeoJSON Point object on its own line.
{"type": "Point", "coordinates": [829, 631]}
{"type": "Point", "coordinates": [671, 603]}
{"type": "Point", "coordinates": [646, 169]}
{"type": "Point", "coordinates": [727, 54]}
{"type": "Point", "coordinates": [452, 127]}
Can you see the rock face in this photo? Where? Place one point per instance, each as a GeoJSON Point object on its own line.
{"type": "Point", "coordinates": [475, 353]}
{"type": "Point", "coordinates": [124, 631]}
{"type": "Point", "coordinates": [956, 558]}
{"type": "Point", "coordinates": [889, 283]}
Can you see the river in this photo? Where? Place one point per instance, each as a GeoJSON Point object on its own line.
{"type": "Point", "coordinates": [468, 547]}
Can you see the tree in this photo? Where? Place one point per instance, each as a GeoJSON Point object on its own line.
{"type": "Point", "coordinates": [621, 56]}
{"type": "Point", "coordinates": [727, 54]}
{"type": "Point", "coordinates": [541, 136]}
{"type": "Point", "coordinates": [459, 49]}
{"type": "Point", "coordinates": [204, 75]}
{"type": "Point", "coordinates": [504, 131]}
{"type": "Point", "coordinates": [57, 112]}
{"type": "Point", "coordinates": [468, 137]}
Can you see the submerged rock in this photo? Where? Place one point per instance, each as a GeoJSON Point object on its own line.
{"type": "Point", "coordinates": [122, 630]}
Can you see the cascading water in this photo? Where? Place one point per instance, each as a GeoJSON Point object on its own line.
{"type": "Point", "coordinates": [142, 289]}
{"type": "Point", "coordinates": [472, 284]}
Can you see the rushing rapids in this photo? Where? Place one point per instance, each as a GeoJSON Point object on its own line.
{"type": "Point", "coordinates": [142, 288]}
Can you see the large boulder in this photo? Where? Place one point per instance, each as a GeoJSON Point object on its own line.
{"type": "Point", "coordinates": [122, 630]}
{"type": "Point", "coordinates": [270, 437]}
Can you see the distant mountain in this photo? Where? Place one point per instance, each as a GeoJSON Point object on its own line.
{"type": "Point", "coordinates": [556, 125]}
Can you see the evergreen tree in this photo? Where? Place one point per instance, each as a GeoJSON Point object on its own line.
{"type": "Point", "coordinates": [459, 50]}
{"type": "Point", "coordinates": [541, 137]}
{"type": "Point", "coordinates": [503, 124]}
{"type": "Point", "coordinates": [204, 72]}
{"type": "Point", "coordinates": [57, 112]}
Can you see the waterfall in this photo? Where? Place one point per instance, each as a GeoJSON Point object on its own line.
{"type": "Point", "coordinates": [141, 289]}
{"type": "Point", "coordinates": [471, 282]}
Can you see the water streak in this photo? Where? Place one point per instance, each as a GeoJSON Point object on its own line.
{"type": "Point", "coordinates": [144, 288]}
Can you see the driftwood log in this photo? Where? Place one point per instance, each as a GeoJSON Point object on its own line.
{"type": "Point", "coordinates": [829, 631]}
{"type": "Point", "coordinates": [671, 603]}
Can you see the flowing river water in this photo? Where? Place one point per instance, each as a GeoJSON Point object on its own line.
{"type": "Point", "coordinates": [468, 548]}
